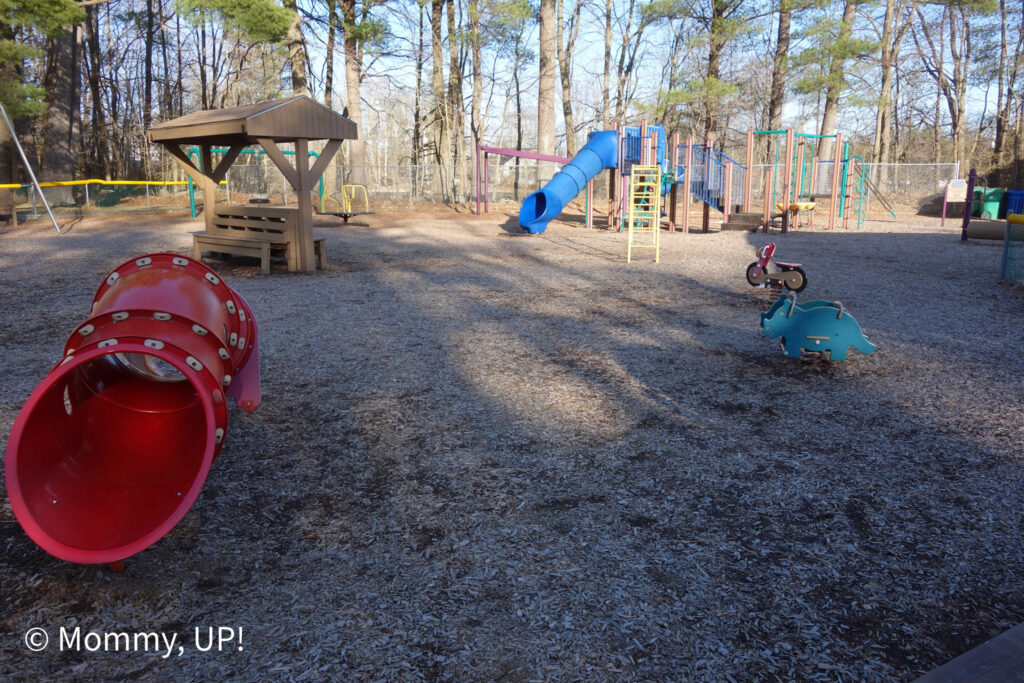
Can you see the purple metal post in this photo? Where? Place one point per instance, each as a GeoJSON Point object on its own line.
{"type": "Point", "coordinates": [972, 178]}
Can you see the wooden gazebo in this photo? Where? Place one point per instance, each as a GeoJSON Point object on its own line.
{"type": "Point", "coordinates": [242, 229]}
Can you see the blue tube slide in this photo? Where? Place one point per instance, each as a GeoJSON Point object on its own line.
{"type": "Point", "coordinates": [600, 152]}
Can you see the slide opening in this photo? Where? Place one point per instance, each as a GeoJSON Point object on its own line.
{"type": "Point", "coordinates": [109, 454]}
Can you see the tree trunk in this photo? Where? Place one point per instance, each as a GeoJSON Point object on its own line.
{"type": "Point", "coordinates": [166, 97]}
{"type": "Point", "coordinates": [179, 84]}
{"type": "Point", "coordinates": [891, 43]}
{"type": "Point", "coordinates": [147, 90]}
{"type": "Point", "coordinates": [478, 72]}
{"type": "Point", "coordinates": [440, 119]}
{"type": "Point", "coordinates": [332, 28]}
{"type": "Point", "coordinates": [330, 176]}
{"type": "Point", "coordinates": [417, 142]}
{"type": "Point", "coordinates": [353, 97]}
{"type": "Point", "coordinates": [836, 83]}
{"type": "Point", "coordinates": [61, 133]}
{"type": "Point", "coordinates": [99, 125]}
{"type": "Point", "coordinates": [456, 107]}
{"type": "Point", "coordinates": [780, 64]}
{"type": "Point", "coordinates": [622, 70]}
{"type": "Point", "coordinates": [296, 51]}
{"type": "Point", "coordinates": [1009, 70]}
{"type": "Point", "coordinates": [547, 61]}
{"type": "Point", "coordinates": [566, 45]}
{"type": "Point", "coordinates": [519, 114]}
{"type": "Point", "coordinates": [607, 75]}
{"type": "Point", "coordinates": [147, 69]}
{"type": "Point", "coordinates": [716, 45]}
{"type": "Point", "coordinates": [203, 85]}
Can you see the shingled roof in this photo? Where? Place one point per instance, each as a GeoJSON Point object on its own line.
{"type": "Point", "coordinates": [281, 120]}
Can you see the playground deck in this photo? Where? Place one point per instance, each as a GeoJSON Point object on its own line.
{"type": "Point", "coordinates": [487, 456]}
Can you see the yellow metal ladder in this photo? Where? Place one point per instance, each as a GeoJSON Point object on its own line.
{"type": "Point", "coordinates": [644, 210]}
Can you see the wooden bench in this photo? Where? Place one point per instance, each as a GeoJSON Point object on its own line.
{"type": "Point", "coordinates": [260, 231]}
{"type": "Point", "coordinates": [8, 212]}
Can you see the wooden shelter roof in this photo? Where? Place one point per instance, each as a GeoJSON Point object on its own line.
{"type": "Point", "coordinates": [283, 120]}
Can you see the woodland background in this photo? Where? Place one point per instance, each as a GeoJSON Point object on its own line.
{"type": "Point", "coordinates": [906, 81]}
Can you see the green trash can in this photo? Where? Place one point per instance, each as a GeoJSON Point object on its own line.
{"type": "Point", "coordinates": [991, 203]}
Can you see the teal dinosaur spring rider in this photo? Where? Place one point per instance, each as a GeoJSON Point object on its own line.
{"type": "Point", "coordinates": [815, 328]}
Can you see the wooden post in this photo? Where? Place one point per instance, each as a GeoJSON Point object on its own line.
{"type": "Point", "coordinates": [747, 181]}
{"type": "Point", "coordinates": [307, 259]}
{"type": "Point", "coordinates": [833, 201]}
{"type": "Point", "coordinates": [209, 187]}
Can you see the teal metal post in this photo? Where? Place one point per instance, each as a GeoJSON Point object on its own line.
{"type": "Point", "coordinates": [191, 189]}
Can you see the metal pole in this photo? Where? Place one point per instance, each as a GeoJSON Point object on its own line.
{"type": "Point", "coordinates": [832, 203]}
{"type": "Point", "coordinates": [476, 177]}
{"type": "Point", "coordinates": [787, 183]}
{"type": "Point", "coordinates": [28, 167]}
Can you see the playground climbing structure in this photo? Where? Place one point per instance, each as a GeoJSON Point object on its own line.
{"type": "Point", "coordinates": [644, 217]}
{"type": "Point", "coordinates": [793, 181]}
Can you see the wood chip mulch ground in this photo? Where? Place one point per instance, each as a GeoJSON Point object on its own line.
{"type": "Point", "coordinates": [483, 456]}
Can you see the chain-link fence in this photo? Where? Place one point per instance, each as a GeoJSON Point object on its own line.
{"type": "Point", "coordinates": [1013, 255]}
{"type": "Point", "coordinates": [907, 186]}
{"type": "Point", "coordinates": [509, 181]}
{"type": "Point", "coordinates": [99, 196]}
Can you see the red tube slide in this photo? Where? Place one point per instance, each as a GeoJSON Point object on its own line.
{"type": "Point", "coordinates": [111, 449]}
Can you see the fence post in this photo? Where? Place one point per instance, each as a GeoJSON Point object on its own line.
{"type": "Point", "coordinates": [86, 186]}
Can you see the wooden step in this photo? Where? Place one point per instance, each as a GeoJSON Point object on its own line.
{"type": "Point", "coordinates": [747, 218]}
{"type": "Point", "coordinates": [748, 227]}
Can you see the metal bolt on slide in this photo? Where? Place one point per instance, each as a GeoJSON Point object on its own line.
{"type": "Point", "coordinates": [110, 451]}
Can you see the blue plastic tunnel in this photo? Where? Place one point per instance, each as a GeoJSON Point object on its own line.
{"type": "Point", "coordinates": [600, 152]}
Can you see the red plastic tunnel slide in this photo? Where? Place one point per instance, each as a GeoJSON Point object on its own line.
{"type": "Point", "coordinates": [111, 449]}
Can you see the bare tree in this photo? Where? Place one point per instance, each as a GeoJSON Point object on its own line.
{"type": "Point", "coordinates": [951, 79]}
{"type": "Point", "coordinates": [566, 43]}
{"type": "Point", "coordinates": [547, 62]}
